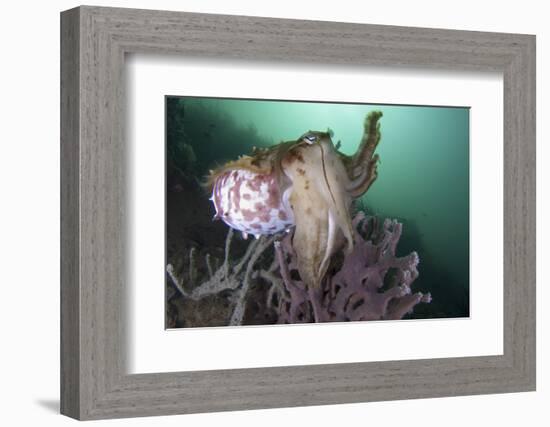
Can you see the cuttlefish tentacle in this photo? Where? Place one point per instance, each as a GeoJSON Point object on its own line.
{"type": "Point", "coordinates": [369, 141]}
{"type": "Point", "coordinates": [362, 183]}
{"type": "Point", "coordinates": [363, 164]}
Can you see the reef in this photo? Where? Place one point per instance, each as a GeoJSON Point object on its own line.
{"type": "Point", "coordinates": [369, 283]}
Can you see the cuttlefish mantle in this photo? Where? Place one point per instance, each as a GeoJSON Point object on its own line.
{"type": "Point", "coordinates": [307, 184]}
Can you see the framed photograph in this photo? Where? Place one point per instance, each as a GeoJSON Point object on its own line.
{"type": "Point", "coordinates": [304, 200]}
{"type": "Point", "coordinates": [263, 213]}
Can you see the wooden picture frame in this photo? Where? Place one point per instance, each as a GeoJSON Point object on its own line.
{"type": "Point", "coordinates": [94, 382]}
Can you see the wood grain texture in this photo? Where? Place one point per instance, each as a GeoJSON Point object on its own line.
{"type": "Point", "coordinates": [70, 291]}
{"type": "Point", "coordinates": [94, 382]}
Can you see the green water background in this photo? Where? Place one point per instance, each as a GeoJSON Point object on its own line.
{"type": "Point", "coordinates": [423, 177]}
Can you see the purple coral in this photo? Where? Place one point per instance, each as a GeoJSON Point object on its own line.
{"type": "Point", "coordinates": [370, 283]}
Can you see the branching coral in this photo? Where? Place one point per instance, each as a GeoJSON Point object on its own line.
{"type": "Point", "coordinates": [231, 275]}
{"type": "Point", "coordinates": [370, 283]}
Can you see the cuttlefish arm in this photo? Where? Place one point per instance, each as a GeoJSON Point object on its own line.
{"type": "Point", "coordinates": [362, 166]}
{"type": "Point", "coordinates": [320, 204]}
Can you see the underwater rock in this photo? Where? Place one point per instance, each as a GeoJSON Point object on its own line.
{"type": "Point", "coordinates": [306, 183]}
{"type": "Point", "coordinates": [370, 283]}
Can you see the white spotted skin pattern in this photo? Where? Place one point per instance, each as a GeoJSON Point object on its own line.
{"type": "Point", "coordinates": [251, 202]}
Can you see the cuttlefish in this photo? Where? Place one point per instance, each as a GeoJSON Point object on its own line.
{"type": "Point", "coordinates": [306, 184]}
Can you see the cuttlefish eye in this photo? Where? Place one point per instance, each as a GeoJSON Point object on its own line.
{"type": "Point", "coordinates": [309, 138]}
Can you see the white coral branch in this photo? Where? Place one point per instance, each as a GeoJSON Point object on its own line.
{"type": "Point", "coordinates": [229, 275]}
